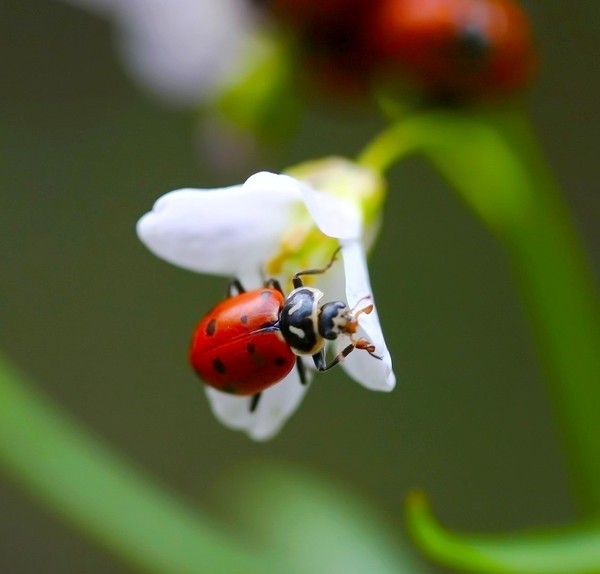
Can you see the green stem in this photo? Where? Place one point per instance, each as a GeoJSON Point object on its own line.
{"type": "Point", "coordinates": [92, 488]}
{"type": "Point", "coordinates": [572, 549]}
{"type": "Point", "coordinates": [496, 168]}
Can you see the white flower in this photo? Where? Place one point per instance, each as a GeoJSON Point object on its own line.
{"type": "Point", "coordinates": [279, 225]}
{"type": "Point", "coordinates": [180, 50]}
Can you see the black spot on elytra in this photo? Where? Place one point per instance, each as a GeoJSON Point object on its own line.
{"type": "Point", "coordinates": [228, 389]}
{"type": "Point", "coordinates": [250, 348]}
{"type": "Point", "coordinates": [210, 328]}
{"type": "Point", "coordinates": [219, 366]}
{"type": "Point", "coordinates": [280, 361]}
{"type": "Point", "coordinates": [474, 44]}
{"type": "Point", "coordinates": [244, 319]}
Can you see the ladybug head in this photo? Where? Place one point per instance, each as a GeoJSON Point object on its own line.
{"type": "Point", "coordinates": [336, 318]}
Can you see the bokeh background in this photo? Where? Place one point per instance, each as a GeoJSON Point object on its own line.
{"type": "Point", "coordinates": [103, 327]}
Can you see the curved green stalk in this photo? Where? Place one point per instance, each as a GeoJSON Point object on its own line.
{"type": "Point", "coordinates": [575, 550]}
{"type": "Point", "coordinates": [494, 165]}
{"type": "Point", "coordinates": [92, 488]}
{"type": "Point", "coordinates": [492, 162]}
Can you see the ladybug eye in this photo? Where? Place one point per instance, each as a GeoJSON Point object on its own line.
{"type": "Point", "coordinates": [332, 319]}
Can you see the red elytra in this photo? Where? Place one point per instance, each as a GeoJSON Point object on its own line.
{"type": "Point", "coordinates": [237, 347]}
{"type": "Point", "coordinates": [469, 48]}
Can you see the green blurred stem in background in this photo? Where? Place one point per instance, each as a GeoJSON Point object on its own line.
{"type": "Point", "coordinates": [298, 524]}
{"type": "Point", "coordinates": [572, 549]}
{"type": "Point", "coordinates": [72, 473]}
{"type": "Point", "coordinates": [494, 164]}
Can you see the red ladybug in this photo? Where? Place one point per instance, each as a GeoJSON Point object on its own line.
{"type": "Point", "coordinates": [454, 48]}
{"type": "Point", "coordinates": [252, 340]}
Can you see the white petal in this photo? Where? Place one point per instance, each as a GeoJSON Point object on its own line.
{"type": "Point", "coordinates": [334, 216]}
{"type": "Point", "coordinates": [333, 282]}
{"type": "Point", "coordinates": [275, 406]}
{"type": "Point", "coordinates": [228, 231]}
{"type": "Point", "coordinates": [275, 183]}
{"type": "Point", "coordinates": [370, 372]}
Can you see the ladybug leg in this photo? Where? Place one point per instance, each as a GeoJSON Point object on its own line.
{"type": "Point", "coordinates": [298, 282]}
{"type": "Point", "coordinates": [301, 371]}
{"type": "Point", "coordinates": [274, 284]}
{"type": "Point", "coordinates": [366, 346]}
{"type": "Point", "coordinates": [320, 363]}
{"type": "Point", "coordinates": [235, 288]}
{"type": "Point", "coordinates": [254, 402]}
{"type": "Point", "coordinates": [319, 360]}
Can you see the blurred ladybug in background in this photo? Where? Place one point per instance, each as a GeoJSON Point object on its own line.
{"type": "Point", "coordinates": [454, 48]}
{"type": "Point", "coordinates": [446, 49]}
{"type": "Point", "coordinates": [253, 339]}
{"type": "Point", "coordinates": [329, 36]}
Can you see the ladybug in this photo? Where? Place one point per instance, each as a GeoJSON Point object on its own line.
{"type": "Point", "coordinates": [253, 339]}
{"type": "Point", "coordinates": [455, 48]}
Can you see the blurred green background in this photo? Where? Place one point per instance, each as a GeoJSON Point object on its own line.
{"type": "Point", "coordinates": [103, 327]}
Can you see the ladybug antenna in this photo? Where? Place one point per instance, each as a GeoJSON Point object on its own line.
{"type": "Point", "coordinates": [298, 282]}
